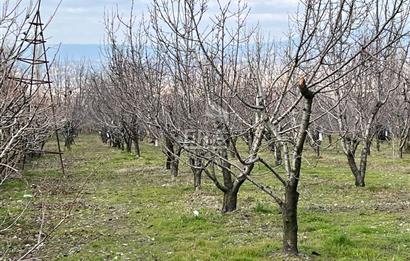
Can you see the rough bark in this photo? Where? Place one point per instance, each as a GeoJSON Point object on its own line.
{"type": "Point", "coordinates": [175, 168]}
{"type": "Point", "coordinates": [196, 167]}
{"type": "Point", "coordinates": [358, 173]}
{"type": "Point", "coordinates": [250, 138]}
{"type": "Point", "coordinates": [231, 186]}
{"type": "Point", "coordinates": [137, 149]}
{"type": "Point", "coordinates": [290, 221]}
{"type": "Point", "coordinates": [359, 181]}
{"type": "Point", "coordinates": [128, 144]}
{"type": "Point", "coordinates": [169, 152]}
{"type": "Point", "coordinates": [317, 148]}
{"type": "Point", "coordinates": [197, 180]}
{"type": "Point", "coordinates": [230, 201]}
{"type": "Point", "coordinates": [175, 162]}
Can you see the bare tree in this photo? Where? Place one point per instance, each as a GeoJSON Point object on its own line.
{"type": "Point", "coordinates": [24, 102]}
{"type": "Point", "coordinates": [359, 103]}
{"type": "Point", "coordinates": [397, 114]}
{"type": "Point", "coordinates": [207, 82]}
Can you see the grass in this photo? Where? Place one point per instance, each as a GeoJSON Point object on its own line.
{"type": "Point", "coordinates": [133, 210]}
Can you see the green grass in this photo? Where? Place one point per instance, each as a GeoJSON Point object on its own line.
{"type": "Point", "coordinates": [264, 208]}
{"type": "Point", "coordinates": [133, 210]}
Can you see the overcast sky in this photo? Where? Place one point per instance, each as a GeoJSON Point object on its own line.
{"type": "Point", "coordinates": [81, 21]}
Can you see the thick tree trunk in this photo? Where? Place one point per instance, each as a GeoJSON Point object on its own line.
{"type": "Point", "coordinates": [169, 152]}
{"type": "Point", "coordinates": [317, 148]}
{"type": "Point", "coordinates": [230, 189]}
{"type": "Point", "coordinates": [290, 221]}
{"type": "Point", "coordinates": [407, 146]}
{"type": "Point", "coordinates": [230, 200]}
{"type": "Point", "coordinates": [67, 143]}
{"type": "Point", "coordinates": [363, 165]}
{"type": "Point", "coordinates": [121, 142]}
{"type": "Point", "coordinates": [403, 146]}
{"type": "Point", "coordinates": [175, 168]}
{"type": "Point", "coordinates": [230, 186]}
{"type": "Point", "coordinates": [175, 162]}
{"type": "Point", "coordinates": [137, 147]}
{"type": "Point", "coordinates": [196, 167]}
{"type": "Point", "coordinates": [128, 144]}
{"type": "Point", "coordinates": [316, 142]}
{"type": "Point", "coordinates": [168, 163]}
{"type": "Point", "coordinates": [359, 174]}
{"type": "Point", "coordinates": [352, 164]}
{"type": "Point", "coordinates": [359, 181]}
{"type": "Point", "coordinates": [197, 179]}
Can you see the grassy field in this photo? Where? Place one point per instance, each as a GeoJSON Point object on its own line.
{"type": "Point", "coordinates": [126, 209]}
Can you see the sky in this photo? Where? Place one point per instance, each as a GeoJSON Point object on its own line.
{"type": "Point", "coordinates": [81, 21]}
{"type": "Point", "coordinates": [78, 25]}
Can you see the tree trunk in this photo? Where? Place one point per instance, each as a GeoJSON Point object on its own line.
{"type": "Point", "coordinates": [196, 167]}
{"type": "Point", "coordinates": [359, 174]}
{"type": "Point", "coordinates": [278, 154]}
{"type": "Point", "coordinates": [197, 179]}
{"type": "Point", "coordinates": [168, 163]}
{"type": "Point", "coordinates": [290, 222]}
{"type": "Point", "coordinates": [231, 186]}
{"type": "Point", "coordinates": [363, 165]}
{"type": "Point", "coordinates": [175, 162]}
{"type": "Point", "coordinates": [128, 144]}
{"type": "Point", "coordinates": [359, 181]}
{"type": "Point", "coordinates": [407, 146]}
{"type": "Point", "coordinates": [317, 148]}
{"type": "Point", "coordinates": [290, 205]}
{"type": "Point", "coordinates": [67, 143]}
{"type": "Point", "coordinates": [352, 164]}
{"type": "Point", "coordinates": [175, 168]}
{"type": "Point", "coordinates": [121, 143]}
{"type": "Point", "coordinates": [169, 152]}
{"type": "Point", "coordinates": [230, 200]}
{"type": "Point", "coordinates": [316, 140]}
{"type": "Point", "coordinates": [137, 147]}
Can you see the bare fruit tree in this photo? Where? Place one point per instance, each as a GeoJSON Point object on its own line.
{"type": "Point", "coordinates": [213, 88]}
{"type": "Point", "coordinates": [24, 98]}
{"type": "Point", "coordinates": [357, 105]}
